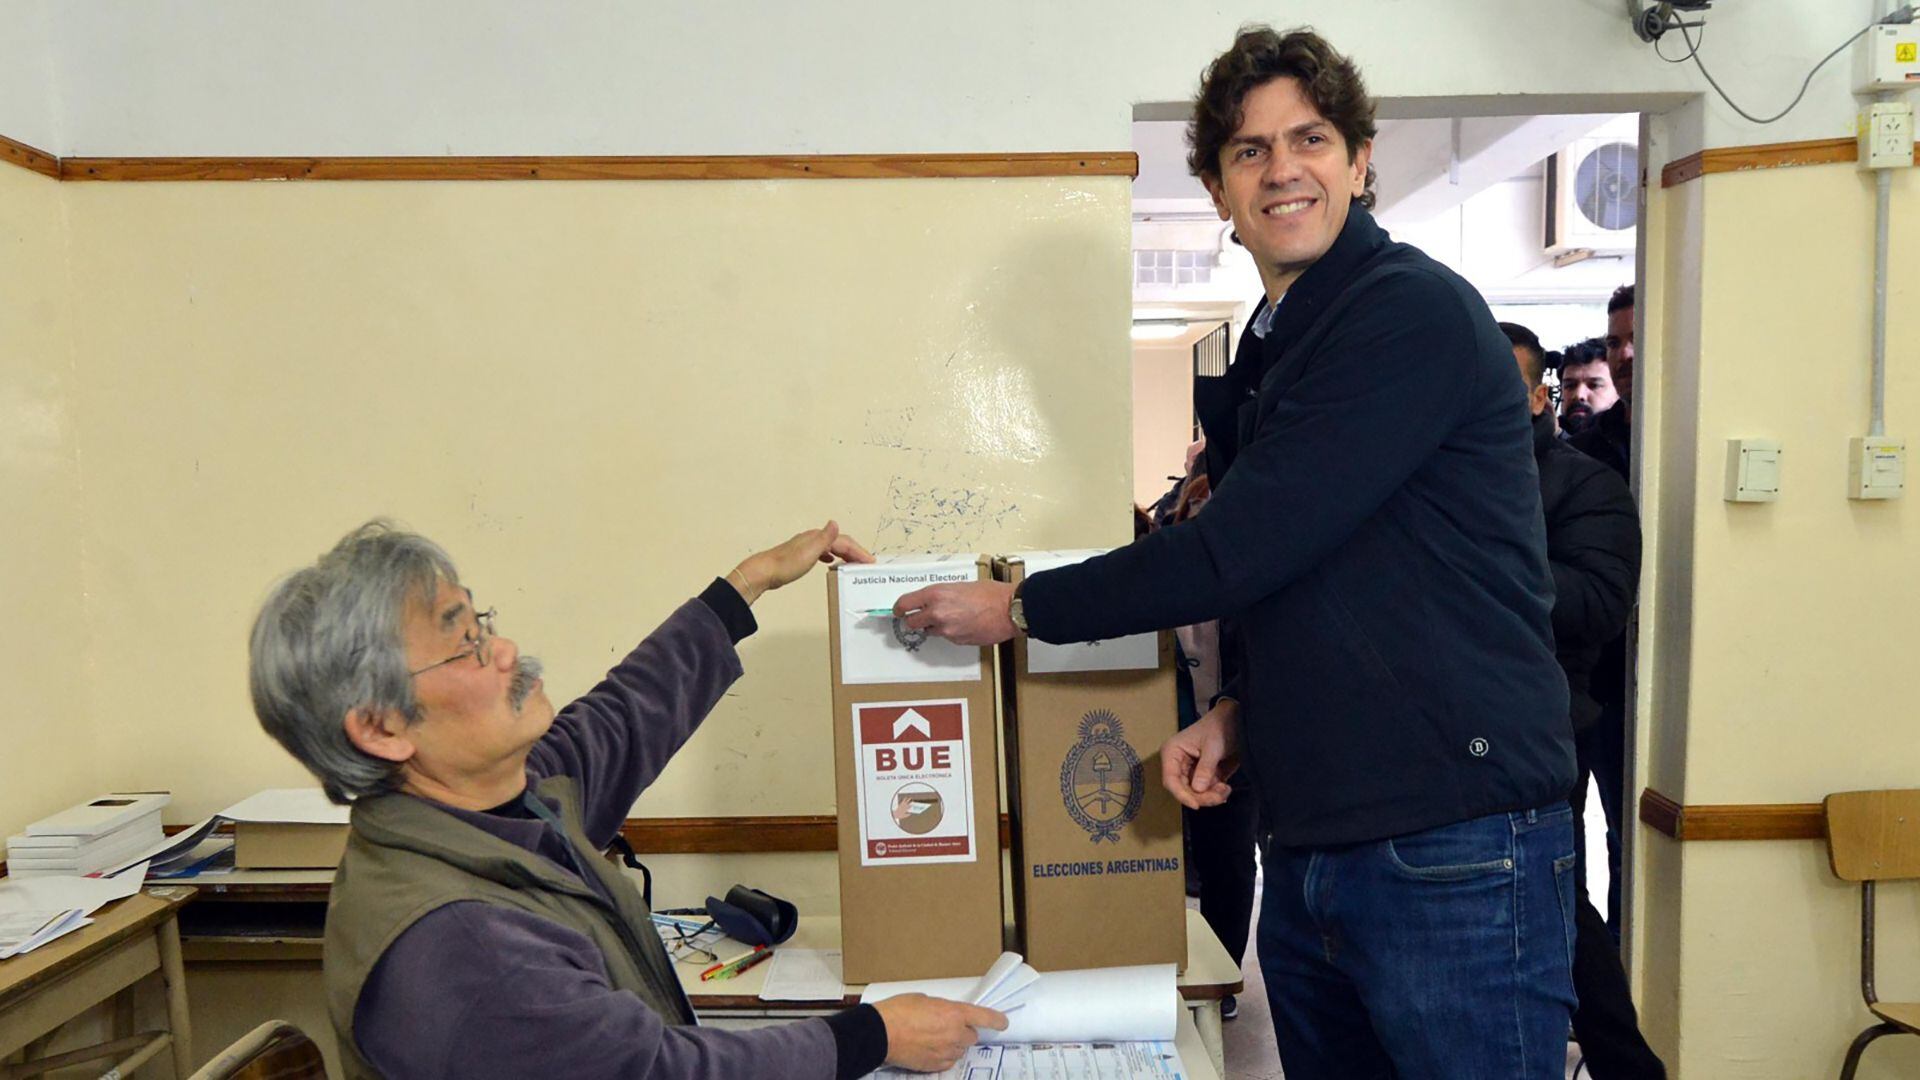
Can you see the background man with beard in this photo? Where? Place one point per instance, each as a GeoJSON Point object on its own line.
{"type": "Point", "coordinates": [473, 928]}
{"type": "Point", "coordinates": [1586, 385]}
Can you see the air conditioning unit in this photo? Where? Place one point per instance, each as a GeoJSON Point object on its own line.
{"type": "Point", "coordinates": [1593, 198]}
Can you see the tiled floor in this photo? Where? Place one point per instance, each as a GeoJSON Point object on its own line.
{"type": "Point", "coordinates": [1248, 1042]}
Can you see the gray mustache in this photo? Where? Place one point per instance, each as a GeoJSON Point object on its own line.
{"type": "Point", "coordinates": [525, 673]}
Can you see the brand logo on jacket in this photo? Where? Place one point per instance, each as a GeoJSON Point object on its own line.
{"type": "Point", "coordinates": [1478, 748]}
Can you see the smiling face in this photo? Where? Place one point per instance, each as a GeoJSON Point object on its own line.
{"type": "Point", "coordinates": [1287, 180]}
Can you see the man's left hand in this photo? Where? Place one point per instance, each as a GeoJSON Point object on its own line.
{"type": "Point", "coordinates": [783, 565]}
{"type": "Point", "coordinates": [968, 613]}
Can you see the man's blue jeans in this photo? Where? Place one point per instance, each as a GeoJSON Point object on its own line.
{"type": "Point", "coordinates": [1443, 954]}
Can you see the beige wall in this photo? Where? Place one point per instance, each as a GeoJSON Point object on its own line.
{"type": "Point", "coordinates": [598, 396]}
{"type": "Point", "coordinates": [48, 758]}
{"type": "Point", "coordinates": [1784, 630]}
{"type": "Point", "coordinates": [1162, 417]}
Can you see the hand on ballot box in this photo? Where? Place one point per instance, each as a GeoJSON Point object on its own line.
{"type": "Point", "coordinates": [966, 613]}
{"type": "Point", "coordinates": [928, 1034]}
{"type": "Point", "coordinates": [789, 562]}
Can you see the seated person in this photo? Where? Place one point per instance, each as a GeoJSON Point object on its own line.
{"type": "Point", "coordinates": [474, 929]}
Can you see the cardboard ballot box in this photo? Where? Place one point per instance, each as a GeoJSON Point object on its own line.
{"type": "Point", "coordinates": [1097, 861]}
{"type": "Point", "coordinates": [915, 767]}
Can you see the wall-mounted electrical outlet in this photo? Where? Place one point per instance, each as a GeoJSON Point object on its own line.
{"type": "Point", "coordinates": [1886, 136]}
{"type": "Point", "coordinates": [1876, 468]}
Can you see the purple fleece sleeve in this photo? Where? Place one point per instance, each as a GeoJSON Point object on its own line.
{"type": "Point", "coordinates": [473, 991]}
{"type": "Point", "coordinates": [617, 737]}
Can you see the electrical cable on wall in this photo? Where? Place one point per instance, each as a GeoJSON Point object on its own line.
{"type": "Point", "coordinates": [1902, 14]}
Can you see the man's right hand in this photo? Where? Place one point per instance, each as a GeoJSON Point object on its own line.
{"type": "Point", "coordinates": [1195, 763]}
{"type": "Point", "coordinates": [928, 1034]}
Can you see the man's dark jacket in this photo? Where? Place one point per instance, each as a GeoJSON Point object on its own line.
{"type": "Point", "coordinates": [1376, 536]}
{"type": "Point", "coordinates": [1593, 546]}
{"type": "Point", "coordinates": [1608, 439]}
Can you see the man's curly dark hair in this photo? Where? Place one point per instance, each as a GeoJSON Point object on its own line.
{"type": "Point", "coordinates": [1259, 55]}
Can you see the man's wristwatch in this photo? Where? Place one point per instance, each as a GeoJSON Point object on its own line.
{"type": "Point", "coordinates": [1017, 609]}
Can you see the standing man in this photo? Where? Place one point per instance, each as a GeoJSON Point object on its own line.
{"type": "Point", "coordinates": [1593, 546]}
{"type": "Point", "coordinates": [1609, 438]}
{"type": "Point", "coordinates": [1375, 534]}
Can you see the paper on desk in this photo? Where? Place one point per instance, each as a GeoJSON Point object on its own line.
{"type": "Point", "coordinates": [1096, 1004]}
{"type": "Point", "coordinates": [804, 975]}
{"type": "Point", "coordinates": [166, 851]}
{"type": "Point", "coordinates": [1059, 1061]}
{"type": "Point", "coordinates": [24, 931]}
{"type": "Point", "coordinates": [877, 648]}
{"type": "Point", "coordinates": [34, 911]}
{"type": "Point", "coordinates": [291, 806]}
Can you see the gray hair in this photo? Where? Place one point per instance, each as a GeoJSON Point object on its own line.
{"type": "Point", "coordinates": [328, 641]}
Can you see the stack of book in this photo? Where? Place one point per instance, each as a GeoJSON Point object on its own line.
{"type": "Point", "coordinates": [84, 839]}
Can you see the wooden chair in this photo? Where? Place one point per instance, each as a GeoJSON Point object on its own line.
{"type": "Point", "coordinates": [1874, 836]}
{"type": "Point", "coordinates": [276, 1050]}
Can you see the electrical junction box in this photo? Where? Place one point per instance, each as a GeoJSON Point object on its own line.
{"type": "Point", "coordinates": [1753, 470]}
{"type": "Point", "coordinates": [1889, 59]}
{"type": "Point", "coordinates": [1886, 136]}
{"type": "Point", "coordinates": [1876, 468]}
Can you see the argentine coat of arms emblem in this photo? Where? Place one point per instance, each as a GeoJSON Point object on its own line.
{"type": "Point", "coordinates": [1100, 777]}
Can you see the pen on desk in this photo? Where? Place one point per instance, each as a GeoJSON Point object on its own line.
{"type": "Point", "coordinates": [727, 969]}
{"type": "Point", "coordinates": [756, 958]}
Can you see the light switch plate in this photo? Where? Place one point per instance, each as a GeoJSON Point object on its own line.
{"type": "Point", "coordinates": [1753, 470]}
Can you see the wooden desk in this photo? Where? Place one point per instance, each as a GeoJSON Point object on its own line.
{"type": "Point", "coordinates": [129, 940]}
{"type": "Point", "coordinates": [1210, 975]}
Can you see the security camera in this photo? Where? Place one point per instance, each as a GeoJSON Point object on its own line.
{"type": "Point", "coordinates": [1652, 20]}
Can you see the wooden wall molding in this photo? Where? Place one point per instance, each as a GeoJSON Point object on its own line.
{"type": "Point", "coordinates": [744, 835]}
{"type": "Point", "coordinates": [1763, 156]}
{"type": "Point", "coordinates": [27, 157]}
{"type": "Point", "coordinates": [1754, 821]}
{"type": "Point", "coordinates": [790, 167]}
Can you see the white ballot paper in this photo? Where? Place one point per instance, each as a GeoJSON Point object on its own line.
{"type": "Point", "coordinates": [1135, 652]}
{"type": "Point", "coordinates": [877, 648]}
{"type": "Point", "coordinates": [1122, 1004]}
{"type": "Point", "coordinates": [1059, 1061]}
{"type": "Point", "coordinates": [914, 782]}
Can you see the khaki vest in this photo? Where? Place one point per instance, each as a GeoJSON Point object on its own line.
{"type": "Point", "coordinates": [405, 858]}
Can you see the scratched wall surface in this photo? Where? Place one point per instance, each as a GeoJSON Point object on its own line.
{"type": "Point", "coordinates": [597, 397]}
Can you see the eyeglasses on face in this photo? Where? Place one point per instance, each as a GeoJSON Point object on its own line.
{"type": "Point", "coordinates": [479, 645]}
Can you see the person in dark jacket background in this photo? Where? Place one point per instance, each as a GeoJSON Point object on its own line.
{"type": "Point", "coordinates": [1593, 546]}
{"type": "Point", "coordinates": [1609, 439]}
{"type": "Point", "coordinates": [1380, 549]}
